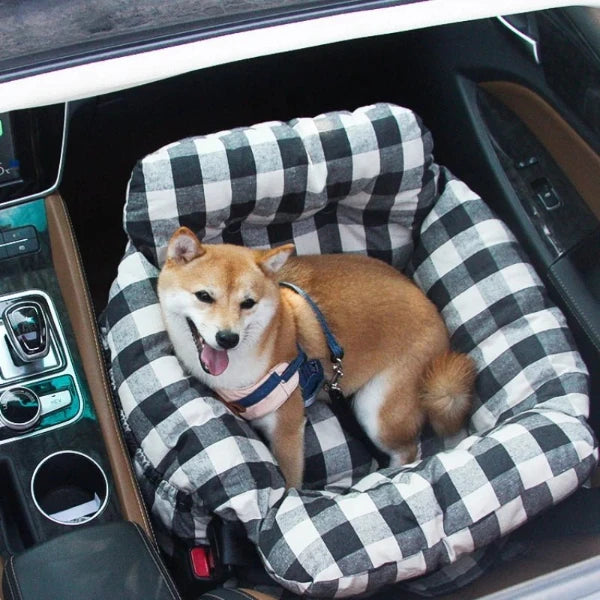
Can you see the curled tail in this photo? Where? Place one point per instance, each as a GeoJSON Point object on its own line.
{"type": "Point", "coordinates": [446, 390]}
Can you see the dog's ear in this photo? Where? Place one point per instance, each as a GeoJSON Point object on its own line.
{"type": "Point", "coordinates": [184, 246]}
{"type": "Point", "coordinates": [270, 261]}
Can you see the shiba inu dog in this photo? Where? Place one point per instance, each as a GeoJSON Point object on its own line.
{"type": "Point", "coordinates": [233, 326]}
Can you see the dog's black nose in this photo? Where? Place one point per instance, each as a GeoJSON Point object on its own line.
{"type": "Point", "coordinates": [227, 339]}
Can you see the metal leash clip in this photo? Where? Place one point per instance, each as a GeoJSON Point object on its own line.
{"type": "Point", "coordinates": [338, 372]}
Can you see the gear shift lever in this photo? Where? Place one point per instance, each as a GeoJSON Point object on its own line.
{"type": "Point", "coordinates": [27, 331]}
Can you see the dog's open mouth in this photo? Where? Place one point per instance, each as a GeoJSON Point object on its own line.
{"type": "Point", "coordinates": [214, 362]}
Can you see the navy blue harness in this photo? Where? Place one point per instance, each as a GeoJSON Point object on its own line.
{"type": "Point", "coordinates": [310, 371]}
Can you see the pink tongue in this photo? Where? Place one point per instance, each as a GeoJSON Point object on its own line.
{"type": "Point", "coordinates": [216, 361]}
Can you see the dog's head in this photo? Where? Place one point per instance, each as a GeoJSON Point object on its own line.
{"type": "Point", "coordinates": [223, 296]}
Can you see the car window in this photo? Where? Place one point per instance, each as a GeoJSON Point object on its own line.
{"type": "Point", "coordinates": [37, 36]}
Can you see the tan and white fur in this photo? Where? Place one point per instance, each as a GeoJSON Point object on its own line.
{"type": "Point", "coordinates": [397, 362]}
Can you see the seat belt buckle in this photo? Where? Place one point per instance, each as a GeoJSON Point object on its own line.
{"type": "Point", "coordinates": [206, 562]}
{"type": "Point", "coordinates": [202, 563]}
{"type": "Point", "coordinates": [225, 551]}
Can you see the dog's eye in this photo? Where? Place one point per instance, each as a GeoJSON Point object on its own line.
{"type": "Point", "coordinates": [204, 296]}
{"type": "Point", "coordinates": [248, 303]}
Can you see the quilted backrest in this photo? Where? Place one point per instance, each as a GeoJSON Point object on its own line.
{"type": "Point", "coordinates": [339, 182]}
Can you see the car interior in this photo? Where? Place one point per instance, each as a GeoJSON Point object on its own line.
{"type": "Point", "coordinates": [513, 107]}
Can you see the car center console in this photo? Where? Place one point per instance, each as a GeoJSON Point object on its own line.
{"type": "Point", "coordinates": [53, 456]}
{"type": "Point", "coordinates": [63, 464]}
{"type": "Point", "coordinates": [40, 387]}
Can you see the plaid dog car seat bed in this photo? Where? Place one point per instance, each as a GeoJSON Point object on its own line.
{"type": "Point", "coordinates": [363, 182]}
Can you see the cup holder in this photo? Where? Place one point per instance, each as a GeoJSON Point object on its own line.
{"type": "Point", "coordinates": [69, 488]}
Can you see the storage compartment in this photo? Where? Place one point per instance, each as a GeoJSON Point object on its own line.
{"type": "Point", "coordinates": [586, 259]}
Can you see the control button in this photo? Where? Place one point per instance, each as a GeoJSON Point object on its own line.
{"type": "Point", "coordinates": [546, 194]}
{"type": "Point", "coordinates": [55, 401]}
{"type": "Point", "coordinates": [3, 253]}
{"type": "Point", "coordinates": [20, 408]}
{"type": "Point", "coordinates": [19, 234]}
{"type": "Point", "coordinates": [22, 240]}
{"type": "Point", "coordinates": [527, 161]}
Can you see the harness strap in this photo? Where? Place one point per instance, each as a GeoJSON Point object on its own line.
{"type": "Point", "coordinates": [310, 372]}
{"type": "Point", "coordinates": [272, 382]}
{"type": "Point", "coordinates": [336, 351]}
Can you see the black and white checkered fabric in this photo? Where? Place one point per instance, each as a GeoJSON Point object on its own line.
{"type": "Point", "coordinates": [349, 182]}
